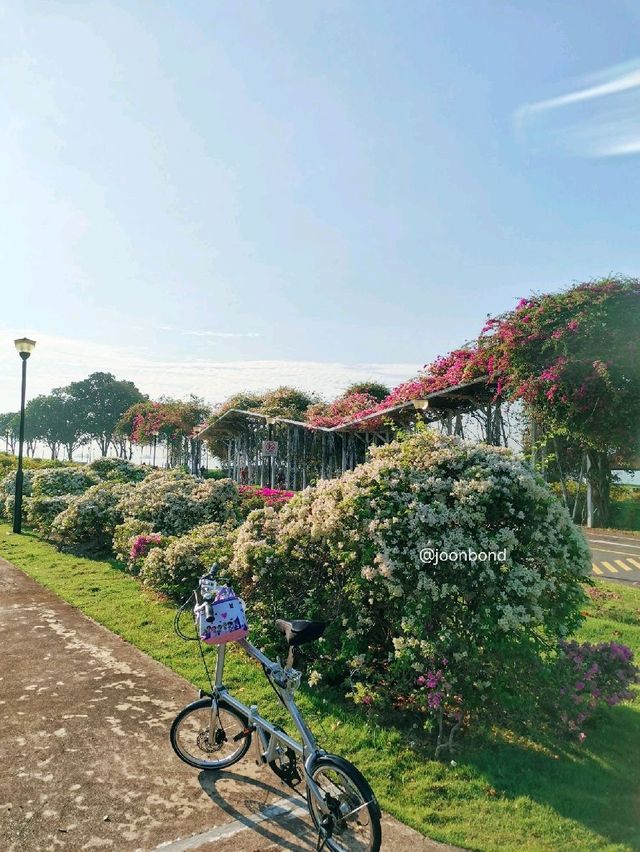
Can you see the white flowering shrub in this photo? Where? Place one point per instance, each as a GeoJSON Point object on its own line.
{"type": "Point", "coordinates": [174, 567]}
{"type": "Point", "coordinates": [91, 518]}
{"type": "Point", "coordinates": [8, 484]}
{"type": "Point", "coordinates": [174, 502]}
{"type": "Point", "coordinates": [55, 481]}
{"type": "Point", "coordinates": [124, 536]}
{"type": "Point", "coordinates": [41, 511]}
{"type": "Point", "coordinates": [448, 640]}
{"type": "Point", "coordinates": [118, 470]}
{"type": "Point", "coordinates": [8, 504]}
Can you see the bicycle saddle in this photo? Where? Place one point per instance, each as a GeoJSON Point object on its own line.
{"type": "Point", "coordinates": [298, 632]}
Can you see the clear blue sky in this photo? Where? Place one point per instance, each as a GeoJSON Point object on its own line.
{"type": "Point", "coordinates": [357, 183]}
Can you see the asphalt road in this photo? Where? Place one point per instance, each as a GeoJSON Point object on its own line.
{"type": "Point", "coordinates": [614, 556]}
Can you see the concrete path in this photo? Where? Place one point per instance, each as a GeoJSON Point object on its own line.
{"type": "Point", "coordinates": [85, 760]}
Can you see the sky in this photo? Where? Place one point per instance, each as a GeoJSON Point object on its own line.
{"type": "Point", "coordinates": [207, 197]}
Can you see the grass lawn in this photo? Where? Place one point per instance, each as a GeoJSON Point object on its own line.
{"type": "Point", "coordinates": [503, 792]}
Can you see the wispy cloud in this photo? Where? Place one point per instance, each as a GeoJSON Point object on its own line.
{"type": "Point", "coordinates": [599, 118]}
{"type": "Point", "coordinates": [196, 333]}
{"type": "Point", "coordinates": [60, 360]}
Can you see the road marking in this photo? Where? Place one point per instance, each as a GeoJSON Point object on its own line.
{"type": "Point", "coordinates": [607, 550]}
{"type": "Point", "coordinates": [610, 567]}
{"type": "Point", "coordinates": [617, 543]}
{"type": "Point", "coordinates": [608, 537]}
{"type": "Point", "coordinates": [279, 809]}
{"type": "Point", "coordinates": [596, 570]}
{"type": "Point", "coordinates": [622, 565]}
{"type": "Point", "coordinates": [633, 561]}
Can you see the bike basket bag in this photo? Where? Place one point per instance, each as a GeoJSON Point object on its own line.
{"type": "Point", "coordinates": [222, 619]}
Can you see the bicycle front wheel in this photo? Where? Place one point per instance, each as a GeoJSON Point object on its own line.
{"type": "Point", "coordinates": [210, 739]}
{"type": "Point", "coordinates": [353, 823]}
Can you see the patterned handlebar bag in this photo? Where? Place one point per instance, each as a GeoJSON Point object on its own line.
{"type": "Point", "coordinates": [221, 620]}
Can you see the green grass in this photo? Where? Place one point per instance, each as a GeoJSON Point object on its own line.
{"type": "Point", "coordinates": [504, 792]}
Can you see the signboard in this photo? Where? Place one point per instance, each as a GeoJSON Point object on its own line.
{"type": "Point", "coordinates": [269, 448]}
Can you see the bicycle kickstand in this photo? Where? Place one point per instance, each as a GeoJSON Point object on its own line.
{"type": "Point", "coordinates": [323, 836]}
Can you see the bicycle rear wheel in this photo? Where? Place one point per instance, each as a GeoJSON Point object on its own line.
{"type": "Point", "coordinates": [206, 743]}
{"type": "Point", "coordinates": [353, 824]}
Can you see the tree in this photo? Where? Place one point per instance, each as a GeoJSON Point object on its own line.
{"type": "Point", "coordinates": [72, 423]}
{"type": "Point", "coordinates": [574, 359]}
{"type": "Point", "coordinates": [244, 400]}
{"type": "Point", "coordinates": [172, 421]}
{"type": "Point", "coordinates": [101, 399]}
{"type": "Point", "coordinates": [46, 420]}
{"type": "Point", "coordinates": [287, 402]}
{"type": "Point", "coordinates": [125, 426]}
{"type": "Point", "coordinates": [9, 428]}
{"type": "Point", "coordinates": [374, 389]}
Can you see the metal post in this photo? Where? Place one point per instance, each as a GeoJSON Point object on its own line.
{"type": "Point", "coordinates": [271, 470]}
{"type": "Point", "coordinates": [589, 495]}
{"type": "Point", "coordinates": [17, 507]}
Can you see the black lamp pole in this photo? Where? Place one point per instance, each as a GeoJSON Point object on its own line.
{"type": "Point", "coordinates": [25, 348]}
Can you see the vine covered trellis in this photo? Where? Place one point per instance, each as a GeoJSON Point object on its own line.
{"type": "Point", "coordinates": [306, 453]}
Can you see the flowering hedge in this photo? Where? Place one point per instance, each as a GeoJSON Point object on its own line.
{"type": "Point", "coordinates": [7, 507]}
{"type": "Point", "coordinates": [91, 518]}
{"type": "Point", "coordinates": [118, 470]}
{"type": "Point", "coordinates": [256, 497]}
{"type": "Point", "coordinates": [593, 676]}
{"type": "Point", "coordinates": [349, 551]}
{"type": "Point", "coordinates": [174, 566]}
{"type": "Point", "coordinates": [8, 484]}
{"type": "Point", "coordinates": [124, 536]}
{"type": "Point", "coordinates": [41, 511]}
{"type": "Point", "coordinates": [56, 481]}
{"type": "Point", "coordinates": [174, 502]}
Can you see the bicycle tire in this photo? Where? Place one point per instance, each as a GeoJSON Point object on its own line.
{"type": "Point", "coordinates": [201, 737]}
{"type": "Point", "coordinates": [368, 804]}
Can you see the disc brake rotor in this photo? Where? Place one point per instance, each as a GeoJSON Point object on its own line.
{"type": "Point", "coordinates": [205, 744]}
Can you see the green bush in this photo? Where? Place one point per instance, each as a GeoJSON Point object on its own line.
{"type": "Point", "coordinates": [118, 470]}
{"type": "Point", "coordinates": [174, 502]}
{"type": "Point", "coordinates": [125, 534]}
{"type": "Point", "coordinates": [42, 511]}
{"type": "Point", "coordinates": [7, 491]}
{"type": "Point", "coordinates": [53, 482]}
{"type": "Point", "coordinates": [175, 569]}
{"type": "Point", "coordinates": [9, 462]}
{"type": "Point", "coordinates": [215, 473]}
{"type": "Point", "coordinates": [348, 551]}
{"type": "Point", "coordinates": [7, 507]}
{"type": "Point", "coordinates": [625, 515]}
{"type": "Point", "coordinates": [91, 518]}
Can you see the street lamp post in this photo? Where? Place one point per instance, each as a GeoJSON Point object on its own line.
{"type": "Point", "coordinates": [25, 347]}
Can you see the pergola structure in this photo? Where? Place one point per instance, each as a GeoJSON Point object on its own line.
{"type": "Point", "coordinates": [256, 449]}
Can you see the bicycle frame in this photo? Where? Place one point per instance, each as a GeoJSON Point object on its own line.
{"type": "Point", "coordinates": [308, 750]}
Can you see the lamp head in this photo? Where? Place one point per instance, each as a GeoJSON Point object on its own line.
{"type": "Point", "coordinates": [25, 347]}
{"type": "Point", "coordinates": [421, 404]}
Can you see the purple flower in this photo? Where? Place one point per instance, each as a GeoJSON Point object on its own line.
{"type": "Point", "coordinates": [435, 700]}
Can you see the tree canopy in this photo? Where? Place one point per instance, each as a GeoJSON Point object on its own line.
{"type": "Point", "coordinates": [102, 400]}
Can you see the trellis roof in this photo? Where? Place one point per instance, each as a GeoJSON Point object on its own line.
{"type": "Point", "coordinates": [433, 406]}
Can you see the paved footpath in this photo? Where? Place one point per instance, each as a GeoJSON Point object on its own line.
{"type": "Point", "coordinates": [85, 760]}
